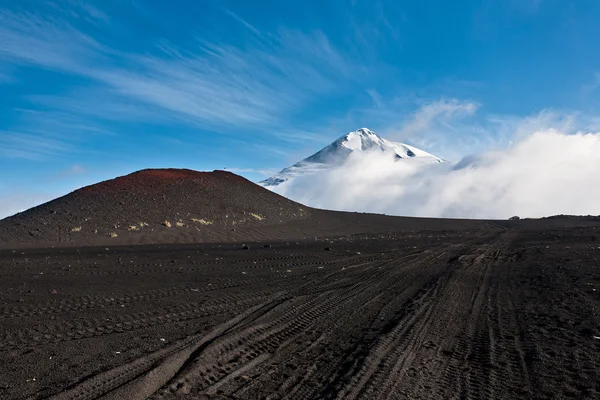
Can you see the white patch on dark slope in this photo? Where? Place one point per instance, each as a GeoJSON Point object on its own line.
{"type": "Point", "coordinates": [335, 154]}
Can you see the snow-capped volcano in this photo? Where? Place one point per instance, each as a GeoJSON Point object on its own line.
{"type": "Point", "coordinates": [337, 152]}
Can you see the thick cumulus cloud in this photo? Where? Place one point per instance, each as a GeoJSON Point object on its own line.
{"type": "Point", "coordinates": [545, 173]}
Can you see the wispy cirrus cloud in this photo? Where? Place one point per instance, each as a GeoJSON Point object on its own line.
{"type": "Point", "coordinates": [95, 105]}
{"type": "Point", "coordinates": [257, 86]}
{"type": "Point", "coordinates": [45, 41]}
{"type": "Point", "coordinates": [438, 112]}
{"type": "Point", "coordinates": [81, 10]}
{"type": "Point", "coordinates": [454, 128]}
{"type": "Point", "coordinates": [436, 125]}
{"type": "Point", "coordinates": [457, 129]}
{"type": "Point", "coordinates": [7, 74]}
{"type": "Point", "coordinates": [15, 144]}
{"type": "Point", "coordinates": [591, 86]}
{"type": "Point", "coordinates": [40, 133]}
{"type": "Point", "coordinates": [245, 23]}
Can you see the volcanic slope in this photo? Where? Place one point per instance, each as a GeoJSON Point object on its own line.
{"type": "Point", "coordinates": [153, 205]}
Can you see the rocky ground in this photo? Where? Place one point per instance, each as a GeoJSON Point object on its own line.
{"type": "Point", "coordinates": [464, 314]}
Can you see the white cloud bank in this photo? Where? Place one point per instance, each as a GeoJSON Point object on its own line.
{"type": "Point", "coordinates": [545, 173]}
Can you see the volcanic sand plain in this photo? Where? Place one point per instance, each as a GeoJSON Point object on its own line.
{"type": "Point", "coordinates": [505, 310]}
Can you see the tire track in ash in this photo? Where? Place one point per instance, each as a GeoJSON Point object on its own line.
{"type": "Point", "coordinates": [508, 367]}
{"type": "Point", "coordinates": [118, 377]}
{"type": "Point", "coordinates": [431, 369]}
{"type": "Point", "coordinates": [325, 375]}
{"type": "Point", "coordinates": [398, 299]}
{"type": "Point", "coordinates": [185, 265]}
{"type": "Point", "coordinates": [381, 361]}
{"type": "Point", "coordinates": [219, 369]}
{"type": "Point", "coordinates": [455, 378]}
{"type": "Point", "coordinates": [99, 302]}
{"type": "Point", "coordinates": [403, 347]}
{"type": "Point", "coordinates": [433, 363]}
{"type": "Point", "coordinates": [142, 377]}
{"type": "Point", "coordinates": [418, 371]}
{"type": "Point", "coordinates": [309, 358]}
{"type": "Point", "coordinates": [309, 347]}
{"type": "Point", "coordinates": [95, 302]}
{"type": "Point", "coordinates": [300, 325]}
{"type": "Point", "coordinates": [86, 303]}
{"type": "Point", "coordinates": [225, 360]}
{"type": "Point", "coordinates": [87, 328]}
{"type": "Point", "coordinates": [331, 372]}
{"type": "Point", "coordinates": [487, 360]}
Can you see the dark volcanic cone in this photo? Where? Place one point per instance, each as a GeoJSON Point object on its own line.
{"type": "Point", "coordinates": [149, 206]}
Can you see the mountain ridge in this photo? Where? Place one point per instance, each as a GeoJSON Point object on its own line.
{"type": "Point", "coordinates": [336, 153]}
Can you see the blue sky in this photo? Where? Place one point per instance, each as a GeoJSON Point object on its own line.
{"type": "Point", "coordinates": [94, 89]}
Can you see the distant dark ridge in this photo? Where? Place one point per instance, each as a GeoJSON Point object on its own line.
{"type": "Point", "coordinates": [565, 216]}
{"type": "Point", "coordinates": [151, 203]}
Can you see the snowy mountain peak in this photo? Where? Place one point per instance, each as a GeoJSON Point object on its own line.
{"type": "Point", "coordinates": [361, 139]}
{"type": "Point", "coordinates": [337, 153]}
{"type": "Point", "coordinates": [366, 132]}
